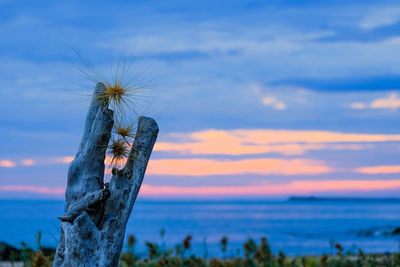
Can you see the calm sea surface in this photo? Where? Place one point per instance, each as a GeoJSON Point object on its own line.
{"type": "Point", "coordinates": [296, 227]}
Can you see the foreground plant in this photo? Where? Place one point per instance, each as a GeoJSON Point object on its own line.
{"type": "Point", "coordinates": [261, 256]}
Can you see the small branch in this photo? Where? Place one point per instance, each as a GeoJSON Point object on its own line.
{"type": "Point", "coordinates": [87, 203]}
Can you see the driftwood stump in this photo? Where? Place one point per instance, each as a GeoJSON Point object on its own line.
{"type": "Point", "coordinates": [93, 227]}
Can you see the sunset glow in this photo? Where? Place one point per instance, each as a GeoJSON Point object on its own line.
{"type": "Point", "coordinates": [292, 188]}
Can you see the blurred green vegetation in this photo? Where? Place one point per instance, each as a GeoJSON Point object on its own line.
{"type": "Point", "coordinates": [254, 253]}
{"type": "Point", "coordinates": [42, 257]}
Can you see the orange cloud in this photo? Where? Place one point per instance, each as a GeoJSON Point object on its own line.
{"type": "Point", "coordinates": [7, 163]}
{"type": "Point", "coordinates": [385, 169]}
{"type": "Point", "coordinates": [67, 159]}
{"type": "Point", "coordinates": [286, 142]}
{"type": "Point", "coordinates": [201, 167]}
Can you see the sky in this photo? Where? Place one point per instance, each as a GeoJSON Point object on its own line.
{"type": "Point", "coordinates": [253, 98]}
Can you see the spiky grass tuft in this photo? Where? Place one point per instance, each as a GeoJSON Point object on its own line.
{"type": "Point", "coordinates": [127, 89]}
{"type": "Point", "coordinates": [120, 90]}
{"type": "Point", "coordinates": [115, 92]}
{"type": "Point", "coordinates": [118, 151]}
{"type": "Point", "coordinates": [127, 93]}
{"type": "Point", "coordinates": [125, 129]}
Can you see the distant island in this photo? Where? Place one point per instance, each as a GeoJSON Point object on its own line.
{"type": "Point", "coordinates": [352, 199]}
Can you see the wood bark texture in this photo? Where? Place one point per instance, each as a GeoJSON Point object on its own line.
{"type": "Point", "coordinates": [96, 214]}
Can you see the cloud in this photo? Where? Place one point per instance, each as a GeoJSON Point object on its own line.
{"type": "Point", "coordinates": [233, 148]}
{"type": "Point", "coordinates": [269, 100]}
{"type": "Point", "coordinates": [258, 141]}
{"type": "Point", "coordinates": [302, 187]}
{"type": "Point", "coordinates": [244, 142]}
{"type": "Point", "coordinates": [67, 159]}
{"type": "Point", "coordinates": [28, 162]}
{"type": "Point", "coordinates": [380, 17]}
{"type": "Point", "coordinates": [358, 105]}
{"type": "Point", "coordinates": [283, 49]}
{"type": "Point", "coordinates": [32, 189]}
{"type": "Point", "coordinates": [384, 169]}
{"type": "Point", "coordinates": [280, 54]}
{"type": "Point", "coordinates": [38, 161]}
{"type": "Point", "coordinates": [275, 103]}
{"type": "Point", "coordinates": [7, 163]}
{"type": "Point", "coordinates": [392, 102]}
{"type": "Point", "coordinates": [369, 84]}
{"type": "Point", "coordinates": [203, 167]}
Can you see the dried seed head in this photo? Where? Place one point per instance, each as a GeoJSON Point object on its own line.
{"type": "Point", "coordinates": [124, 130]}
{"type": "Point", "coordinates": [118, 151]}
{"type": "Point", "coordinates": [115, 92]}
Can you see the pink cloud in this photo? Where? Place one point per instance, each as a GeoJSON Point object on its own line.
{"type": "Point", "coordinates": [38, 161]}
{"type": "Point", "coordinates": [28, 162]}
{"type": "Point", "coordinates": [7, 163]}
{"type": "Point", "coordinates": [32, 189]}
{"type": "Point", "coordinates": [67, 159]}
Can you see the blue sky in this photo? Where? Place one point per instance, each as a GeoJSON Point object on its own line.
{"type": "Point", "coordinates": [217, 73]}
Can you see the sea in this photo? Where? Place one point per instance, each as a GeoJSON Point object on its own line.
{"type": "Point", "coordinates": [296, 226]}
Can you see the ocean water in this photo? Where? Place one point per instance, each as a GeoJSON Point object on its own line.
{"type": "Point", "coordinates": [296, 227]}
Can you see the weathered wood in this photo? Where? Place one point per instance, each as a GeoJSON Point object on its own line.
{"type": "Point", "coordinates": [93, 227]}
